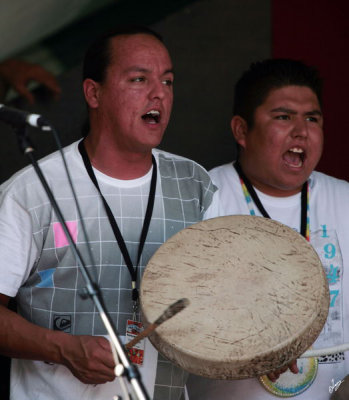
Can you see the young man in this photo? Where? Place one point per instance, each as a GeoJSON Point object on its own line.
{"type": "Point", "coordinates": [278, 126]}
{"type": "Point", "coordinates": [56, 339]}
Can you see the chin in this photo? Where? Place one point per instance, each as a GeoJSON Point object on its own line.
{"type": "Point", "coordinates": [294, 188]}
{"type": "Point", "coordinates": [146, 147]}
{"type": "Point", "coordinates": [153, 142]}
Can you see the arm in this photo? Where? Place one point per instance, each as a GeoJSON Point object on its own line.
{"type": "Point", "coordinates": [89, 358]}
{"type": "Point", "coordinates": [17, 74]}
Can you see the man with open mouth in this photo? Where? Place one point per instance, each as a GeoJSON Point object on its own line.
{"type": "Point", "coordinates": [132, 197]}
{"type": "Point", "coordinates": [278, 127]}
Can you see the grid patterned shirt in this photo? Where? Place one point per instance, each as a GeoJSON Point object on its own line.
{"type": "Point", "coordinates": [44, 275]}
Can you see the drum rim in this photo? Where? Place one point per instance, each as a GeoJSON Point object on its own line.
{"type": "Point", "coordinates": [169, 348]}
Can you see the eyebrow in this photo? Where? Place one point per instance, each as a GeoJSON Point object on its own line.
{"type": "Point", "coordinates": [145, 70]}
{"type": "Point", "coordinates": [293, 112]}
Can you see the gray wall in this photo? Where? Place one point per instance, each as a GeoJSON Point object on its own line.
{"type": "Point", "coordinates": [211, 43]}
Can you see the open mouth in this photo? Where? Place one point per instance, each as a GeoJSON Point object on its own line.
{"type": "Point", "coordinates": [294, 157]}
{"type": "Point", "coordinates": [152, 117]}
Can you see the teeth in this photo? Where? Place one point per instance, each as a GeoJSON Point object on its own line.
{"type": "Point", "coordinates": [153, 112]}
{"type": "Point", "coordinates": [296, 150]}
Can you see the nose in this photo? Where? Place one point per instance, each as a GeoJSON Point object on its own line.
{"type": "Point", "coordinates": [300, 128]}
{"type": "Point", "coordinates": [157, 90]}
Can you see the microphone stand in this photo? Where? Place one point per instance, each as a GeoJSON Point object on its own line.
{"type": "Point", "coordinates": [91, 290]}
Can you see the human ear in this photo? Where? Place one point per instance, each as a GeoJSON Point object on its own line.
{"type": "Point", "coordinates": [239, 129]}
{"type": "Point", "coordinates": [91, 92]}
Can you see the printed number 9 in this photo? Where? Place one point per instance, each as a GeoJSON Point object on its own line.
{"type": "Point", "coordinates": [330, 250]}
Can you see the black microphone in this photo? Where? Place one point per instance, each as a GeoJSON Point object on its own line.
{"type": "Point", "coordinates": [18, 118]}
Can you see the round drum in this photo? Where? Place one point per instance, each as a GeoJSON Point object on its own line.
{"type": "Point", "coordinates": [257, 290]}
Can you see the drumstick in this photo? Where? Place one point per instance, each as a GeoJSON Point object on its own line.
{"type": "Point", "coordinates": [326, 351]}
{"type": "Point", "coordinates": [170, 312]}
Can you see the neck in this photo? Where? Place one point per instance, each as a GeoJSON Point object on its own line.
{"type": "Point", "coordinates": [115, 163]}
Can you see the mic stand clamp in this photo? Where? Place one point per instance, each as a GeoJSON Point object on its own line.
{"type": "Point", "coordinates": [91, 290]}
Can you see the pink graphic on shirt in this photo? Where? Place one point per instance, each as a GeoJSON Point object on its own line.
{"type": "Point", "coordinates": [59, 235]}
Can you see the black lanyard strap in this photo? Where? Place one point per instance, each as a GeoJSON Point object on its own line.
{"type": "Point", "coordinates": [304, 209]}
{"type": "Point", "coordinates": [259, 204]}
{"type": "Point", "coordinates": [118, 236]}
{"type": "Point", "coordinates": [251, 190]}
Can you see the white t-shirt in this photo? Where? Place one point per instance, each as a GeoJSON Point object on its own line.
{"type": "Point", "coordinates": [329, 234]}
{"type": "Point", "coordinates": [39, 268]}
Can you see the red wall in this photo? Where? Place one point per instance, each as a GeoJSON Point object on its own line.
{"type": "Point", "coordinates": [317, 32]}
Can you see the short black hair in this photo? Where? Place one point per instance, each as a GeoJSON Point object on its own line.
{"type": "Point", "coordinates": [255, 84]}
{"type": "Point", "coordinates": [98, 55]}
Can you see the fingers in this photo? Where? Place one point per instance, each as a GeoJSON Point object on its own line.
{"type": "Point", "coordinates": [292, 366]}
{"type": "Point", "coordinates": [39, 74]}
{"type": "Point", "coordinates": [22, 90]}
{"type": "Point", "coordinates": [274, 376]}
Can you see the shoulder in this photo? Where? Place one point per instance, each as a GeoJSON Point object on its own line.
{"type": "Point", "coordinates": [184, 178]}
{"type": "Point", "coordinates": [179, 166]}
{"type": "Point", "coordinates": [223, 174]}
{"type": "Point", "coordinates": [328, 184]}
{"type": "Point", "coordinates": [170, 157]}
{"type": "Point", "coordinates": [52, 167]}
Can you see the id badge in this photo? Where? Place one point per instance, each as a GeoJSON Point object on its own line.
{"type": "Point", "coordinates": [135, 353]}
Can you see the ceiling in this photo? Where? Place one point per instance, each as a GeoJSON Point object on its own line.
{"type": "Point", "coordinates": [24, 23]}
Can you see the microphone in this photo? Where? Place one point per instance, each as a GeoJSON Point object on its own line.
{"type": "Point", "coordinates": [18, 118]}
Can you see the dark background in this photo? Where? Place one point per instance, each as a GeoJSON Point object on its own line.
{"type": "Point", "coordinates": [211, 43]}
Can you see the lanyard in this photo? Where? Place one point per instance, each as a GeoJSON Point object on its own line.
{"type": "Point", "coordinates": [250, 194]}
{"type": "Point", "coordinates": [120, 240]}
